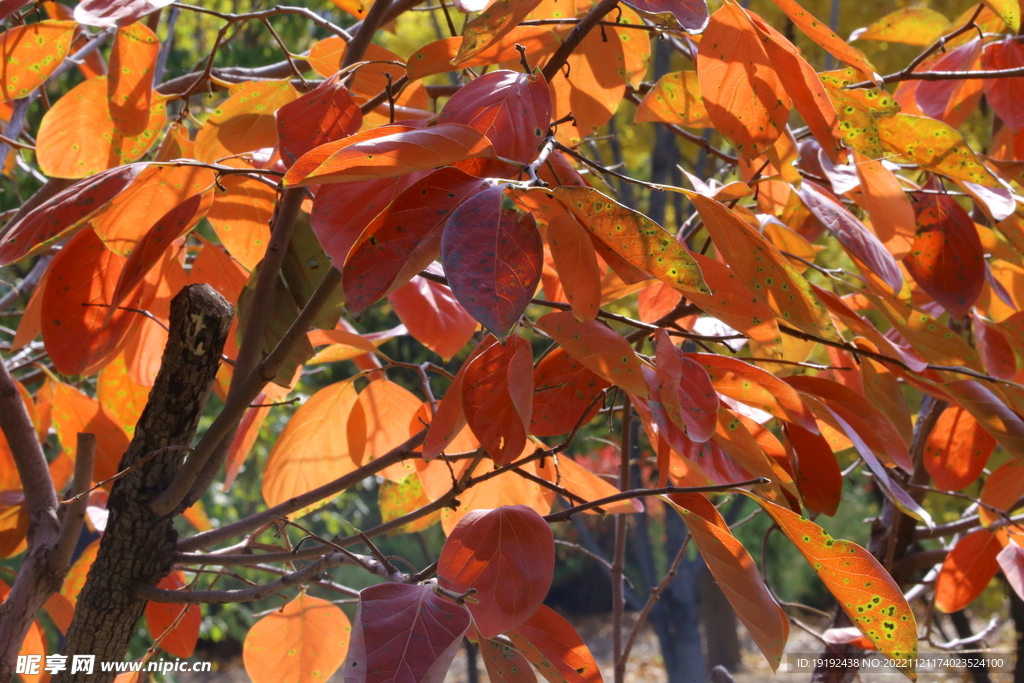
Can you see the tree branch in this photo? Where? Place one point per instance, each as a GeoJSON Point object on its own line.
{"type": "Point", "coordinates": [74, 512]}
{"type": "Point", "coordinates": [576, 36]}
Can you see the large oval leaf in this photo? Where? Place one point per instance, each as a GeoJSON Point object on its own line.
{"type": "Point", "coordinates": [404, 634]}
{"type": "Point", "coordinates": [565, 390]}
{"type": "Point", "coordinates": [314, 448]}
{"type": "Point", "coordinates": [31, 53]}
{"type": "Point", "coordinates": [493, 257]}
{"type": "Point", "coordinates": [130, 85]}
{"type": "Point", "coordinates": [179, 641]}
{"type": "Point", "coordinates": [433, 316]}
{"type": "Point", "coordinates": [497, 397]}
{"type": "Point", "coordinates": [957, 449]}
{"type": "Point", "coordinates": [303, 642]}
{"type": "Point", "coordinates": [324, 114]}
{"type": "Point", "coordinates": [967, 570]}
{"type": "Point", "coordinates": [555, 648]}
{"type": "Point", "coordinates": [508, 556]}
{"type": "Point", "coordinates": [244, 122]}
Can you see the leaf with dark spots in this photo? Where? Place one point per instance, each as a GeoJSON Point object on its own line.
{"type": "Point", "coordinates": [947, 259]}
{"type": "Point", "coordinates": [493, 257]}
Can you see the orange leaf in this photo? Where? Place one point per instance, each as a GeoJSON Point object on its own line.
{"type": "Point", "coordinates": [743, 93]}
{"type": "Point", "coordinates": [599, 348]}
{"type": "Point", "coordinates": [508, 555]}
{"type": "Point", "coordinates": [119, 396]}
{"type": "Point", "coordinates": [303, 642]}
{"type": "Point", "coordinates": [31, 53]}
{"type": "Point", "coordinates": [634, 237]}
{"type": "Point", "coordinates": [55, 218]}
{"type": "Point", "coordinates": [504, 664]}
{"type": "Point", "coordinates": [74, 580]}
{"type": "Point", "coordinates": [246, 435]}
{"type": "Point", "coordinates": [764, 270]}
{"type": "Point", "coordinates": [891, 212]}
{"type": "Point", "coordinates": [585, 485]}
{"type": "Point", "coordinates": [675, 98]}
{"type": "Point", "coordinates": [313, 449]}
{"type": "Point", "coordinates": [873, 601]}
{"type": "Point", "coordinates": [493, 24]}
{"type": "Point", "coordinates": [433, 316]}
{"type": "Point", "coordinates": [957, 449]}
{"type": "Point", "coordinates": [130, 84]}
{"type": "Point", "coordinates": [157, 190]}
{"type": "Point", "coordinates": [379, 421]}
{"type": "Point", "coordinates": [991, 413]}
{"type": "Point", "coordinates": [244, 122]}
{"type": "Point", "coordinates": [181, 640]}
{"type": "Point", "coordinates": [74, 412]}
{"type": "Point", "coordinates": [757, 388]}
{"type": "Point", "coordinates": [388, 154]}
{"type": "Point", "coordinates": [550, 643]}
{"type": "Point", "coordinates": [819, 32]}
{"type": "Point", "coordinates": [63, 152]}
{"type": "Point", "coordinates": [737, 575]}
{"type": "Point", "coordinates": [685, 390]}
{"type": "Point", "coordinates": [801, 83]}
{"type": "Point", "coordinates": [505, 489]}
{"type": "Point", "coordinates": [324, 114]}
{"type": "Point", "coordinates": [436, 57]}
{"type": "Point", "coordinates": [967, 570]}
{"type": "Point", "coordinates": [240, 215]}
{"type": "Point", "coordinates": [594, 87]}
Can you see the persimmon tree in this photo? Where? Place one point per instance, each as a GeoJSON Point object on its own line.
{"type": "Point", "coordinates": [833, 294]}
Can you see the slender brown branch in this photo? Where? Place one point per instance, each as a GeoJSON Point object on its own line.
{"type": "Point", "coordinates": [364, 36]}
{"type": "Point", "coordinates": [619, 554]}
{"type": "Point", "coordinates": [576, 36]}
{"type": "Point", "coordinates": [74, 511]}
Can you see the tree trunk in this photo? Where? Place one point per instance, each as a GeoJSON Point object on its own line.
{"type": "Point", "coordinates": [137, 545]}
{"type": "Point", "coordinates": [962, 624]}
{"type": "Point", "coordinates": [719, 619]}
{"type": "Point", "coordinates": [1017, 614]}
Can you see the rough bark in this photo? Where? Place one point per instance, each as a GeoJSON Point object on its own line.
{"type": "Point", "coordinates": [138, 545]}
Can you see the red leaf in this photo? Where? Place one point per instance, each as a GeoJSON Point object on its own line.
{"type": "Point", "coordinates": [303, 642]}
{"type": "Point", "coordinates": [508, 556]}
{"type": "Point", "coordinates": [404, 634]}
{"type": "Point", "coordinates": [742, 92]}
{"type": "Point", "coordinates": [957, 449]}
{"type": "Point", "coordinates": [493, 257]}
{"type": "Point", "coordinates": [599, 348]}
{"type": "Point", "coordinates": [1004, 94]}
{"type": "Point", "coordinates": [104, 13]}
{"type": "Point", "coordinates": [181, 640]}
{"type": "Point", "coordinates": [993, 346]}
{"type": "Point", "coordinates": [433, 316]}
{"type": "Point", "coordinates": [323, 115]}
{"type": "Point", "coordinates": [947, 259]}
{"type": "Point", "coordinates": [512, 109]}
{"type": "Point", "coordinates": [341, 212]}
{"type": "Point", "coordinates": [69, 209]}
{"type": "Point", "coordinates": [565, 388]}
{"type": "Point", "coordinates": [967, 570]}
{"type": "Point", "coordinates": [685, 390]}
{"type": "Point", "coordinates": [497, 397]}
{"type": "Point", "coordinates": [550, 642]}
{"type": "Point", "coordinates": [389, 154]}
{"type": "Point", "coordinates": [405, 237]}
{"type": "Point", "coordinates": [818, 477]}
{"type": "Point", "coordinates": [858, 241]}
